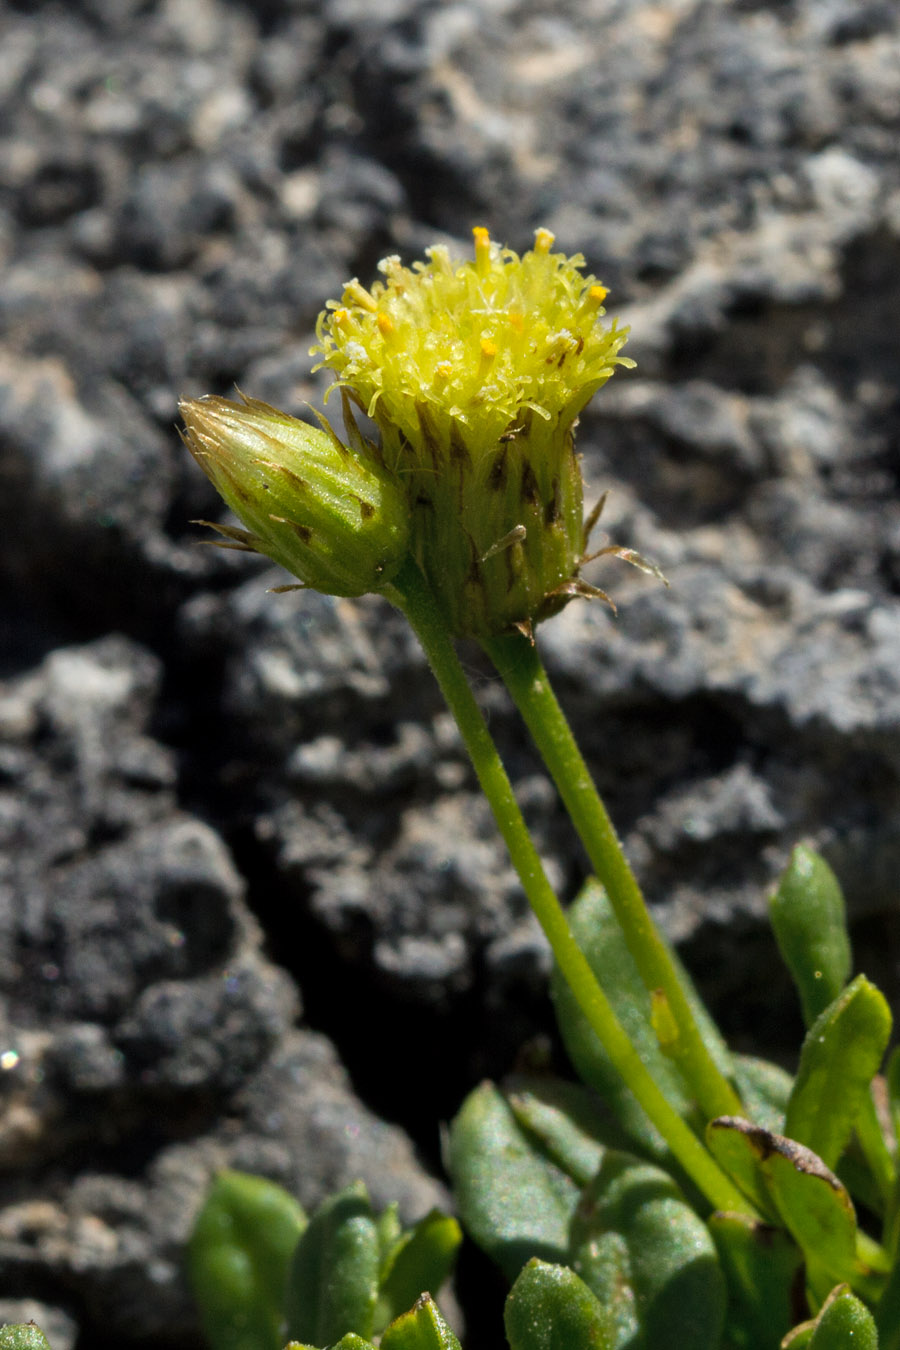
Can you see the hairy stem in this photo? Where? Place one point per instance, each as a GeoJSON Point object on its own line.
{"type": "Point", "coordinates": [520, 667]}
{"type": "Point", "coordinates": [411, 593]}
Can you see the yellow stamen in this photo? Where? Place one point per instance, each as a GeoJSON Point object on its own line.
{"type": "Point", "coordinates": [479, 340]}
{"type": "Point", "coordinates": [488, 352]}
{"type": "Point", "coordinates": [358, 295]}
{"type": "Point", "coordinates": [482, 250]}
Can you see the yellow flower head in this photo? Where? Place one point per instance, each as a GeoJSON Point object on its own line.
{"type": "Point", "coordinates": [478, 342]}
{"type": "Point", "coordinates": [475, 372]}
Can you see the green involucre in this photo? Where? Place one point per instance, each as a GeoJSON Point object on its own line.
{"type": "Point", "coordinates": [328, 513]}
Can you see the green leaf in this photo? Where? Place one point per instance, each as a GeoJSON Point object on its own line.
{"type": "Point", "coordinates": [568, 1121]}
{"type": "Point", "coordinates": [513, 1201]}
{"type": "Point", "coordinates": [765, 1090]}
{"type": "Point", "coordinates": [550, 1308]}
{"type": "Point", "coordinates": [420, 1262]}
{"type": "Point", "coordinates": [817, 1210]}
{"type": "Point", "coordinates": [390, 1235]}
{"type": "Point", "coordinates": [600, 938]}
{"type": "Point", "coordinates": [792, 1183]}
{"type": "Point", "coordinates": [732, 1142]}
{"type": "Point", "coordinates": [760, 1263]}
{"type": "Point", "coordinates": [841, 1055]}
{"type": "Point", "coordinates": [333, 1280]}
{"type": "Point", "coordinates": [799, 1337]}
{"type": "Point", "coordinates": [868, 1168]}
{"type": "Point", "coordinates": [843, 1323]}
{"type": "Point", "coordinates": [22, 1336]}
{"type": "Point", "coordinates": [349, 1342]}
{"type": "Point", "coordinates": [809, 1199]}
{"type": "Point", "coordinates": [887, 1311]}
{"type": "Point", "coordinates": [649, 1259]}
{"type": "Point", "coordinates": [422, 1328]}
{"type": "Point", "coordinates": [238, 1258]}
{"type": "Point", "coordinates": [809, 920]}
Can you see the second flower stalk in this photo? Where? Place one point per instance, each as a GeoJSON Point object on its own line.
{"type": "Point", "coordinates": [467, 513]}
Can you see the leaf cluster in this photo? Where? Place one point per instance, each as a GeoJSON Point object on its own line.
{"type": "Point", "coordinates": [567, 1187]}
{"type": "Point", "coordinates": [576, 1176]}
{"type": "Point", "coordinates": [264, 1273]}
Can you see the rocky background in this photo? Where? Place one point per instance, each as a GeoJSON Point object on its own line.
{"type": "Point", "coordinates": [215, 801]}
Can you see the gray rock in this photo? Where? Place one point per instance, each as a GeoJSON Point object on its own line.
{"type": "Point", "coordinates": [137, 1009]}
{"type": "Point", "coordinates": [307, 1129]}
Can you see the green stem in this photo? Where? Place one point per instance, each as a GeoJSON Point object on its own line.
{"type": "Point", "coordinates": [411, 593]}
{"type": "Point", "coordinates": [523, 674]}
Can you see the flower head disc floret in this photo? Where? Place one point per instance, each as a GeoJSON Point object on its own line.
{"type": "Point", "coordinates": [478, 342]}
{"type": "Point", "coordinates": [475, 373]}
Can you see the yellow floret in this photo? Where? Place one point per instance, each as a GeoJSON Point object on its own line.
{"type": "Point", "coordinates": [435, 318]}
{"type": "Point", "coordinates": [475, 372]}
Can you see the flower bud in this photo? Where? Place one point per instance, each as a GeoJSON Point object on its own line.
{"type": "Point", "coordinates": [475, 374]}
{"type": "Point", "coordinates": [329, 514]}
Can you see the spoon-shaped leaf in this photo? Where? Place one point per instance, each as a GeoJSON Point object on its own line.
{"type": "Point", "coordinates": [840, 1057]}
